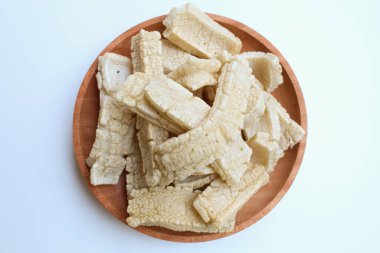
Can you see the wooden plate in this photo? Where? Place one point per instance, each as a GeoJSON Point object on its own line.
{"type": "Point", "coordinates": [114, 197]}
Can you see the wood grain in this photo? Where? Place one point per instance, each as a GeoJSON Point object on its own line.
{"type": "Point", "coordinates": [113, 197]}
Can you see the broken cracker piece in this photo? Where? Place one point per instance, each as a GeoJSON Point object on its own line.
{"type": "Point", "coordinates": [150, 135]}
{"type": "Point", "coordinates": [191, 151]}
{"type": "Point", "coordinates": [291, 131]}
{"type": "Point", "coordinates": [172, 56]}
{"type": "Point", "coordinates": [176, 103]}
{"type": "Point", "coordinates": [135, 178]}
{"type": "Point", "coordinates": [266, 68]}
{"type": "Point", "coordinates": [229, 110]}
{"type": "Point", "coordinates": [115, 130]}
{"type": "Point", "coordinates": [211, 139]}
{"type": "Point", "coordinates": [195, 32]}
{"type": "Point", "coordinates": [220, 202]}
{"type": "Point", "coordinates": [146, 52]}
{"type": "Point", "coordinates": [196, 73]}
{"type": "Point", "coordinates": [232, 165]}
{"type": "Point", "coordinates": [133, 96]}
{"type": "Point", "coordinates": [113, 70]}
{"type": "Point", "coordinates": [266, 152]}
{"type": "Point", "coordinates": [255, 109]}
{"type": "Point", "coordinates": [231, 97]}
{"type": "Point", "coordinates": [170, 207]}
{"type": "Point", "coordinates": [268, 122]}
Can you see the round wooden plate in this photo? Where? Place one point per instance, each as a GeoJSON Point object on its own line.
{"type": "Point", "coordinates": [114, 197]}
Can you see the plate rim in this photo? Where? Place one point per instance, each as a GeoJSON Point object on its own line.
{"type": "Point", "coordinates": [205, 237]}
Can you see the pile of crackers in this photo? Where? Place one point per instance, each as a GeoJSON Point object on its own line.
{"type": "Point", "coordinates": [192, 121]}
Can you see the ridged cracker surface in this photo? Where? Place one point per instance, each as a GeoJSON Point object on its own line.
{"type": "Point", "coordinates": [134, 166]}
{"type": "Point", "coordinates": [255, 108]}
{"type": "Point", "coordinates": [176, 103]}
{"type": "Point", "coordinates": [220, 202]}
{"type": "Point", "coordinates": [115, 130]}
{"type": "Point", "coordinates": [133, 96]}
{"type": "Point", "coordinates": [231, 97]}
{"type": "Point", "coordinates": [268, 122]}
{"type": "Point", "coordinates": [277, 123]}
{"type": "Point", "coordinates": [210, 140]}
{"type": "Point", "coordinates": [266, 68]}
{"type": "Point", "coordinates": [170, 208]}
{"type": "Point", "coordinates": [266, 152]}
{"type": "Point", "coordinates": [150, 135]}
{"type": "Point", "coordinates": [291, 131]}
{"type": "Point", "coordinates": [147, 52]}
{"type": "Point", "coordinates": [196, 73]}
{"type": "Point", "coordinates": [232, 165]}
{"type": "Point", "coordinates": [191, 151]}
{"type": "Point", "coordinates": [172, 56]}
{"type": "Point", "coordinates": [195, 32]}
{"type": "Point", "coordinates": [229, 110]}
{"type": "Point", "coordinates": [273, 133]}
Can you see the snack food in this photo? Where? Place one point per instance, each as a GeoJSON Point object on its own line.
{"type": "Point", "coordinates": [195, 32]}
{"type": "Point", "coordinates": [132, 95]}
{"type": "Point", "coordinates": [219, 202]}
{"type": "Point", "coordinates": [196, 73]}
{"type": "Point", "coordinates": [115, 130]}
{"type": "Point", "coordinates": [170, 207]}
{"type": "Point", "coordinates": [266, 68]}
{"type": "Point", "coordinates": [188, 166]}
{"type": "Point", "coordinates": [150, 135]}
{"type": "Point", "coordinates": [147, 53]}
{"type": "Point", "coordinates": [135, 178]}
{"type": "Point", "coordinates": [176, 103]}
{"type": "Point", "coordinates": [172, 56]}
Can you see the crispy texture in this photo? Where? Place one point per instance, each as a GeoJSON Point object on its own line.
{"type": "Point", "coordinates": [196, 73]}
{"type": "Point", "coordinates": [146, 53]}
{"type": "Point", "coordinates": [169, 208]}
{"type": "Point", "coordinates": [133, 96]}
{"type": "Point", "coordinates": [266, 68]}
{"type": "Point", "coordinates": [196, 181]}
{"type": "Point", "coordinates": [229, 109]}
{"type": "Point", "coordinates": [220, 202]}
{"type": "Point", "coordinates": [113, 70]}
{"type": "Point", "coordinates": [193, 31]}
{"type": "Point", "coordinates": [291, 131]}
{"type": "Point", "coordinates": [191, 151]}
{"type": "Point", "coordinates": [273, 133]}
{"type": "Point", "coordinates": [231, 97]}
{"type": "Point", "coordinates": [255, 108]}
{"type": "Point", "coordinates": [172, 56]}
{"type": "Point", "coordinates": [206, 143]}
{"type": "Point", "coordinates": [150, 135]}
{"type": "Point", "coordinates": [134, 166]}
{"type": "Point", "coordinates": [232, 165]}
{"type": "Point", "coordinates": [277, 123]}
{"type": "Point", "coordinates": [176, 103]}
{"type": "Point", "coordinates": [115, 130]}
{"type": "Point", "coordinates": [266, 152]}
{"type": "Point", "coordinates": [268, 122]}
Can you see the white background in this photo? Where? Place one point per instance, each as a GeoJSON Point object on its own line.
{"type": "Point", "coordinates": [45, 50]}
